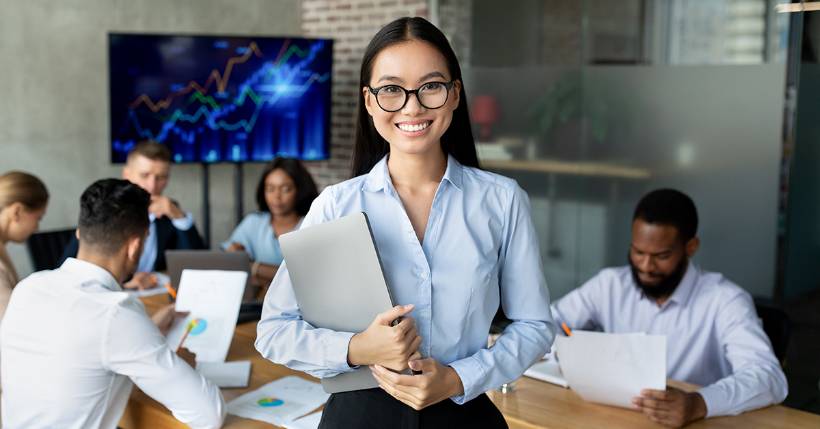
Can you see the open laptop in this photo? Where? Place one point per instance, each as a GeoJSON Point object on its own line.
{"type": "Point", "coordinates": [339, 284]}
{"type": "Point", "coordinates": [179, 260]}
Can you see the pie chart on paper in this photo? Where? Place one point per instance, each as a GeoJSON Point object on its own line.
{"type": "Point", "coordinates": [197, 326]}
{"type": "Point", "coordinates": [270, 401]}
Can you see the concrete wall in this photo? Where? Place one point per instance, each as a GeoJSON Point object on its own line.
{"type": "Point", "coordinates": [54, 93]}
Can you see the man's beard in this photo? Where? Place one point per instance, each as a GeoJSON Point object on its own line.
{"type": "Point", "coordinates": [666, 286]}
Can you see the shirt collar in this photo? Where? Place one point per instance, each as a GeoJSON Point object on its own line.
{"type": "Point", "coordinates": [682, 293]}
{"type": "Point", "coordinates": [687, 284]}
{"type": "Point", "coordinates": [92, 272]}
{"type": "Point", "coordinates": [379, 178]}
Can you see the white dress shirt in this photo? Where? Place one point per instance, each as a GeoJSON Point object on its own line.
{"type": "Point", "coordinates": [149, 249]}
{"type": "Point", "coordinates": [72, 343]}
{"type": "Point", "coordinates": [479, 250]}
{"type": "Point", "coordinates": [714, 337]}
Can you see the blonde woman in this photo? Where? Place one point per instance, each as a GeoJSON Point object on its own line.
{"type": "Point", "coordinates": [23, 200]}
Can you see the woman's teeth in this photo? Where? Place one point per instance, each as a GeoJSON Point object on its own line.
{"type": "Point", "coordinates": [415, 127]}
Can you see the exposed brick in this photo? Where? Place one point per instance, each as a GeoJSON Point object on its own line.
{"type": "Point", "coordinates": [351, 23]}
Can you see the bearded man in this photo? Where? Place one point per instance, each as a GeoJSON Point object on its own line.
{"type": "Point", "coordinates": [714, 337]}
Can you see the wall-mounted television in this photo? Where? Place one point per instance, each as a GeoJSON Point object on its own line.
{"type": "Point", "coordinates": [220, 99]}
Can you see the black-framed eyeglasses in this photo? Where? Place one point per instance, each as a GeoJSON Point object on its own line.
{"type": "Point", "coordinates": [431, 95]}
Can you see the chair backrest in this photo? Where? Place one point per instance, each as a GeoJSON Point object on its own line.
{"type": "Point", "coordinates": [46, 248]}
{"type": "Point", "coordinates": [777, 326]}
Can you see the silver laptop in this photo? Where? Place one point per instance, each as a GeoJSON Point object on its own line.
{"type": "Point", "coordinates": [339, 284]}
{"type": "Point", "coordinates": [179, 260]}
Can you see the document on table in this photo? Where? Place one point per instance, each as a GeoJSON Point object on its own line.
{"type": "Point", "coordinates": [612, 368]}
{"type": "Point", "coordinates": [280, 402]}
{"type": "Point", "coordinates": [547, 370]}
{"type": "Point", "coordinates": [212, 299]}
{"type": "Point", "coordinates": [226, 374]}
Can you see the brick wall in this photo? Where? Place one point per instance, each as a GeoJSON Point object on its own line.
{"type": "Point", "coordinates": [351, 24]}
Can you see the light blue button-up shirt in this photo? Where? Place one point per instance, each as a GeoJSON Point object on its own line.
{"type": "Point", "coordinates": [714, 338]}
{"type": "Point", "coordinates": [479, 250]}
{"type": "Point", "coordinates": [256, 235]}
{"type": "Point", "coordinates": [149, 249]}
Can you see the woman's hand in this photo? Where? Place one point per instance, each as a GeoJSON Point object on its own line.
{"type": "Point", "coordinates": [435, 383]}
{"type": "Point", "coordinates": [386, 345]}
{"type": "Point", "coordinates": [235, 247]}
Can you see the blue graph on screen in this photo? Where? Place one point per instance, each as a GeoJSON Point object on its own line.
{"type": "Point", "coordinates": [221, 99]}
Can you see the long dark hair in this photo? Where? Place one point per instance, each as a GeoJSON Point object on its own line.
{"type": "Point", "coordinates": [305, 186]}
{"type": "Point", "coordinates": [371, 147]}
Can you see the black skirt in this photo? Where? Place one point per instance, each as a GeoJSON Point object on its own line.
{"type": "Point", "coordinates": [374, 408]}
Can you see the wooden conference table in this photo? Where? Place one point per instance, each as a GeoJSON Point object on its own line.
{"type": "Point", "coordinates": [531, 404]}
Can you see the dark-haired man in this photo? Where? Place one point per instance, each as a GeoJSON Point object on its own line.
{"type": "Point", "coordinates": [714, 338]}
{"type": "Point", "coordinates": [73, 342]}
{"type": "Point", "coordinates": [149, 166]}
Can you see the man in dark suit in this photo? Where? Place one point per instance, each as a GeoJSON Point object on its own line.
{"type": "Point", "coordinates": [149, 166]}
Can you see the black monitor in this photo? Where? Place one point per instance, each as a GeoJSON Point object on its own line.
{"type": "Point", "coordinates": [220, 99]}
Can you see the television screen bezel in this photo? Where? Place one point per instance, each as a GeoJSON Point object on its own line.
{"type": "Point", "coordinates": [328, 120]}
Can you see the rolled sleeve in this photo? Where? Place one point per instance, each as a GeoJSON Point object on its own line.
{"type": "Point", "coordinates": [242, 235]}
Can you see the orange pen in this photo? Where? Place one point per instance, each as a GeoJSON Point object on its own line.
{"type": "Point", "coordinates": [171, 290]}
{"type": "Point", "coordinates": [566, 329]}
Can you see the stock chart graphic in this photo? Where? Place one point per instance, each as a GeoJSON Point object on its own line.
{"type": "Point", "coordinates": [220, 99]}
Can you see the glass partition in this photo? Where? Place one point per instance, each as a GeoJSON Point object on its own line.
{"type": "Point", "coordinates": [590, 104]}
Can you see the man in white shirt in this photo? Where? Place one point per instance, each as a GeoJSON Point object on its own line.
{"type": "Point", "coordinates": [714, 337]}
{"type": "Point", "coordinates": [149, 166]}
{"type": "Point", "coordinates": [72, 342]}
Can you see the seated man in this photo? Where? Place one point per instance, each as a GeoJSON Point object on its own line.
{"type": "Point", "coordinates": [149, 166]}
{"type": "Point", "coordinates": [72, 342]}
{"type": "Point", "coordinates": [714, 338]}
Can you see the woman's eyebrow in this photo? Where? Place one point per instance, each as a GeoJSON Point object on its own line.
{"type": "Point", "coordinates": [424, 78]}
{"type": "Point", "coordinates": [390, 78]}
{"type": "Point", "coordinates": [431, 75]}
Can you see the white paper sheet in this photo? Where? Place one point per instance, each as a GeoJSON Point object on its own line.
{"type": "Point", "coordinates": [612, 368]}
{"type": "Point", "coordinates": [279, 402]}
{"type": "Point", "coordinates": [547, 370]}
{"type": "Point", "coordinates": [310, 421]}
{"type": "Point", "coordinates": [226, 374]}
{"type": "Point", "coordinates": [213, 299]}
{"type": "Point", "coordinates": [157, 290]}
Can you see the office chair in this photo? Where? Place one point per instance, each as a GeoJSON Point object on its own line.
{"type": "Point", "coordinates": [46, 248]}
{"type": "Point", "coordinates": [777, 326]}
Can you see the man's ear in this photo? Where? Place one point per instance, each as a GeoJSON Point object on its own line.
{"type": "Point", "coordinates": [77, 233]}
{"type": "Point", "coordinates": [692, 247]}
{"type": "Point", "coordinates": [134, 244]}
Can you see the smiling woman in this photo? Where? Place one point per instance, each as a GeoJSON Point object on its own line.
{"type": "Point", "coordinates": [455, 243]}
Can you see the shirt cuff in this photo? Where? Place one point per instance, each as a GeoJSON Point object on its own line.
{"type": "Point", "coordinates": [712, 397]}
{"type": "Point", "coordinates": [183, 223]}
{"type": "Point", "coordinates": [335, 346]}
{"type": "Point", "coordinates": [471, 372]}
